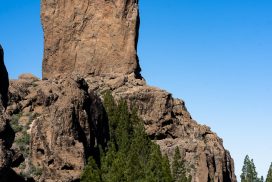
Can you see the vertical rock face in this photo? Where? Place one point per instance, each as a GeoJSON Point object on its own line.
{"type": "Point", "coordinates": [4, 82]}
{"type": "Point", "coordinates": [91, 37]}
{"type": "Point", "coordinates": [65, 123]}
{"type": "Point", "coordinates": [6, 133]}
{"type": "Point", "coordinates": [170, 125]}
{"type": "Point", "coordinates": [98, 39]}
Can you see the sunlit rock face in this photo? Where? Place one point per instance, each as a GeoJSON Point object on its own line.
{"type": "Point", "coordinates": [90, 37]}
{"type": "Point", "coordinates": [98, 40]}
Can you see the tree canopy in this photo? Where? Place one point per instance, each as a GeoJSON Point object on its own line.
{"type": "Point", "coordinates": [249, 173]}
{"type": "Point", "coordinates": [130, 154]}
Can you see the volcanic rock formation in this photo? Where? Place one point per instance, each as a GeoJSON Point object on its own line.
{"type": "Point", "coordinates": [64, 122]}
{"type": "Point", "coordinates": [7, 155]}
{"type": "Point", "coordinates": [90, 37]}
{"type": "Point", "coordinates": [98, 39]}
{"type": "Point", "coordinates": [91, 47]}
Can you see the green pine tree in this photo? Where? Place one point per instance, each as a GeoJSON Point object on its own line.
{"type": "Point", "coordinates": [249, 173]}
{"type": "Point", "coordinates": [178, 168]}
{"type": "Point", "coordinates": [269, 174]}
{"type": "Point", "coordinates": [91, 172]}
{"type": "Point", "coordinates": [130, 155]}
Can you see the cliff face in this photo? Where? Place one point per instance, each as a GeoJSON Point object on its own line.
{"type": "Point", "coordinates": [64, 124]}
{"type": "Point", "coordinates": [90, 37]}
{"type": "Point", "coordinates": [60, 121]}
{"type": "Point", "coordinates": [8, 157]}
{"type": "Point", "coordinates": [98, 39]}
{"type": "Point", "coordinates": [5, 154]}
{"type": "Point", "coordinates": [170, 125]}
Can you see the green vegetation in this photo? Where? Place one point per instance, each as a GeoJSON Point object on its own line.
{"type": "Point", "coordinates": [178, 168]}
{"type": "Point", "coordinates": [130, 155]}
{"type": "Point", "coordinates": [269, 174]}
{"type": "Point", "coordinates": [249, 173]}
{"type": "Point", "coordinates": [15, 123]}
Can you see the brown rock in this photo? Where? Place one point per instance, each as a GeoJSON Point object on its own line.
{"type": "Point", "coordinates": [64, 122]}
{"type": "Point", "coordinates": [98, 40]}
{"type": "Point", "coordinates": [6, 139]}
{"type": "Point", "coordinates": [6, 132]}
{"type": "Point", "coordinates": [170, 125]}
{"type": "Point", "coordinates": [90, 37]}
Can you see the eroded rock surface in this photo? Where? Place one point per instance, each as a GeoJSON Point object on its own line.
{"type": "Point", "coordinates": [98, 39]}
{"type": "Point", "coordinates": [60, 120]}
{"type": "Point", "coordinates": [170, 125]}
{"type": "Point", "coordinates": [6, 132]}
{"type": "Point", "coordinates": [95, 37]}
{"type": "Point", "coordinates": [6, 139]}
{"type": "Point", "coordinates": [64, 124]}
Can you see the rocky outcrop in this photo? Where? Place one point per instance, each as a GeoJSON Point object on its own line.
{"type": "Point", "coordinates": [4, 82]}
{"type": "Point", "coordinates": [64, 124]}
{"type": "Point", "coordinates": [170, 125]}
{"type": "Point", "coordinates": [90, 37]}
{"type": "Point", "coordinates": [6, 139]}
{"type": "Point", "coordinates": [59, 121]}
{"type": "Point", "coordinates": [98, 39]}
{"type": "Point", "coordinates": [6, 132]}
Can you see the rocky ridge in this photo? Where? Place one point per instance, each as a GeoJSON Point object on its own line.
{"type": "Point", "coordinates": [170, 125]}
{"type": "Point", "coordinates": [8, 157]}
{"type": "Point", "coordinates": [64, 122]}
{"type": "Point", "coordinates": [111, 24]}
{"type": "Point", "coordinates": [90, 47]}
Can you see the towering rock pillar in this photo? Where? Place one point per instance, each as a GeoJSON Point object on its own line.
{"type": "Point", "coordinates": [90, 37]}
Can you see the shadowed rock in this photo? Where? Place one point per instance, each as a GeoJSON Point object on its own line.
{"type": "Point", "coordinates": [4, 81]}
{"type": "Point", "coordinates": [66, 125]}
{"type": "Point", "coordinates": [90, 37]}
{"type": "Point", "coordinates": [6, 133]}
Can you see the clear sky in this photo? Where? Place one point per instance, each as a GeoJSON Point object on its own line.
{"type": "Point", "coordinates": [215, 55]}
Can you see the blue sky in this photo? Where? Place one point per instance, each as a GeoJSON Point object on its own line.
{"type": "Point", "coordinates": [215, 55]}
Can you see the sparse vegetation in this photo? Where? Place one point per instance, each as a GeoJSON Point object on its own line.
{"type": "Point", "coordinates": [15, 123]}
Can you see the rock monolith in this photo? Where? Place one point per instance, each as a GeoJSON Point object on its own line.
{"type": "Point", "coordinates": [90, 37]}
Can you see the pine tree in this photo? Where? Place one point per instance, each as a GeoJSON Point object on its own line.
{"type": "Point", "coordinates": [249, 173]}
{"type": "Point", "coordinates": [269, 174]}
{"type": "Point", "coordinates": [91, 172]}
{"type": "Point", "coordinates": [130, 155]}
{"type": "Point", "coordinates": [178, 168]}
